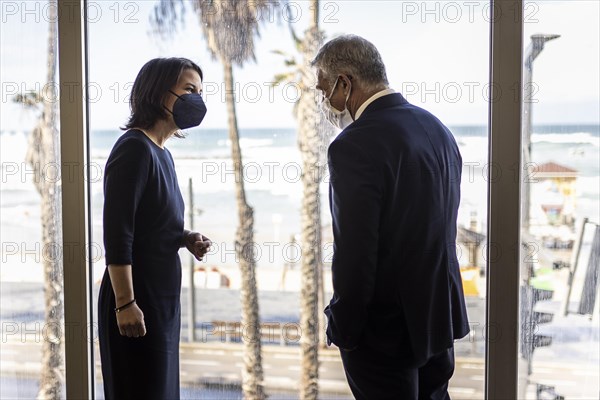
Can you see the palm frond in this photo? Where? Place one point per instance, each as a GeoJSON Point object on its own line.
{"type": "Point", "coordinates": [230, 27]}
{"type": "Point", "coordinates": [287, 77]}
{"type": "Point", "coordinates": [280, 52]}
{"type": "Point", "coordinates": [166, 17]}
{"type": "Point", "coordinates": [30, 100]}
{"type": "Point", "coordinates": [297, 40]}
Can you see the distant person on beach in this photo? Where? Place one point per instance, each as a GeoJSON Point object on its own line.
{"type": "Point", "coordinates": [395, 172]}
{"type": "Point", "coordinates": [139, 311]}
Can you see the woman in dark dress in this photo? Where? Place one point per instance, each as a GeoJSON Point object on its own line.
{"type": "Point", "coordinates": [139, 302]}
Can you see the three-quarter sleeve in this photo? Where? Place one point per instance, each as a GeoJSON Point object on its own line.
{"type": "Point", "coordinates": [125, 178]}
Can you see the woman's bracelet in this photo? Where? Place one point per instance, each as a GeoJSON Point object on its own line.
{"type": "Point", "coordinates": [124, 306]}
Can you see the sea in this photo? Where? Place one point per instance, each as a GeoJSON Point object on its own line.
{"type": "Point", "coordinates": [272, 169]}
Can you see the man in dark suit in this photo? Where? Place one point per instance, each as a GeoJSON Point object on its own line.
{"type": "Point", "coordinates": [395, 171]}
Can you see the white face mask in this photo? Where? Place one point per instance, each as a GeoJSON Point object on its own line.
{"type": "Point", "coordinates": [337, 118]}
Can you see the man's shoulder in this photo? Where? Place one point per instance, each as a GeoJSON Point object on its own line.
{"type": "Point", "coordinates": [359, 142]}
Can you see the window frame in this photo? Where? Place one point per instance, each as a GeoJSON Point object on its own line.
{"type": "Point", "coordinates": [79, 335]}
{"type": "Point", "coordinates": [503, 248]}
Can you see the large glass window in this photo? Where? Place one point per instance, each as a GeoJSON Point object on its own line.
{"type": "Point", "coordinates": [31, 281]}
{"type": "Point", "coordinates": [436, 54]}
{"type": "Point", "coordinates": [559, 346]}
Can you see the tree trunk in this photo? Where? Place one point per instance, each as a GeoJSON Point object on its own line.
{"type": "Point", "coordinates": [311, 141]}
{"type": "Point", "coordinates": [43, 157]}
{"type": "Point", "coordinates": [325, 132]}
{"type": "Point", "coordinates": [252, 373]}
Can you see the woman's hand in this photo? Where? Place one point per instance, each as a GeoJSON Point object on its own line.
{"type": "Point", "coordinates": [131, 322]}
{"type": "Point", "coordinates": [197, 244]}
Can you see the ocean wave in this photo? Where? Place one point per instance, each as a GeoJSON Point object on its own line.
{"type": "Point", "coordinates": [564, 138]}
{"type": "Point", "coordinates": [247, 142]}
{"type": "Point", "coordinates": [203, 158]}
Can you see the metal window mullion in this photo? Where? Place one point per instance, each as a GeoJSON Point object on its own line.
{"type": "Point", "coordinates": [504, 221]}
{"type": "Point", "coordinates": [74, 198]}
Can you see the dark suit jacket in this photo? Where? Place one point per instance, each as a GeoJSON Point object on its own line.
{"type": "Point", "coordinates": [394, 195]}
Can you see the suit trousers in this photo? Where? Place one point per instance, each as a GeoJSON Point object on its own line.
{"type": "Point", "coordinates": [374, 376]}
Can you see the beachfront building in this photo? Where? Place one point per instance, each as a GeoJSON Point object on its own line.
{"type": "Point", "coordinates": [553, 205]}
{"type": "Point", "coordinates": [554, 191]}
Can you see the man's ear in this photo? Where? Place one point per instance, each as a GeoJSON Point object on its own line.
{"type": "Point", "coordinates": [346, 81]}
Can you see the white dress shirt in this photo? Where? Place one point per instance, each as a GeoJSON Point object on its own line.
{"type": "Point", "coordinates": [371, 99]}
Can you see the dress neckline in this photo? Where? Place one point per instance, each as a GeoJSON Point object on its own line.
{"type": "Point", "coordinates": [148, 137]}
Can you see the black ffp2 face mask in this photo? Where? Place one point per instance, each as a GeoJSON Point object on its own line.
{"type": "Point", "coordinates": [188, 110]}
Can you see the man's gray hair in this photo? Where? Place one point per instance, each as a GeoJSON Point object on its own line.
{"type": "Point", "coordinates": [351, 55]}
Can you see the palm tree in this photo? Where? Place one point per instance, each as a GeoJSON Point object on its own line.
{"type": "Point", "coordinates": [42, 156]}
{"type": "Point", "coordinates": [229, 28]}
{"type": "Point", "coordinates": [313, 136]}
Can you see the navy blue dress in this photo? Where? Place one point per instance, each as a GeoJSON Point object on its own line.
{"type": "Point", "coordinates": [143, 226]}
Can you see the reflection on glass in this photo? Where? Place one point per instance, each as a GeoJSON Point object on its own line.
{"type": "Point", "coordinates": [559, 351]}
{"type": "Point", "coordinates": [31, 293]}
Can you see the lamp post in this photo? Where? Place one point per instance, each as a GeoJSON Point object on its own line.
{"type": "Point", "coordinates": [527, 292]}
{"type": "Point", "coordinates": [535, 48]}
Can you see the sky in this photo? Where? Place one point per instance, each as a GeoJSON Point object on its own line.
{"type": "Point", "coordinates": [436, 53]}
